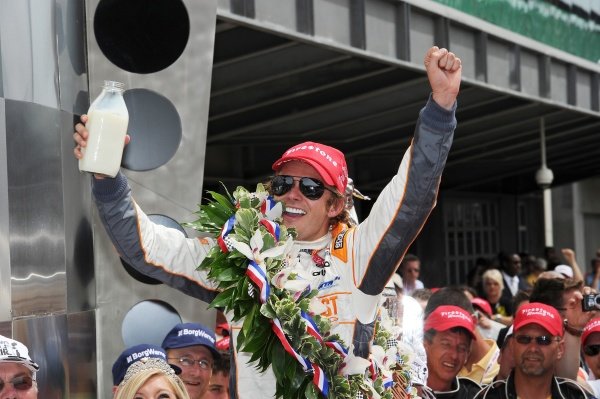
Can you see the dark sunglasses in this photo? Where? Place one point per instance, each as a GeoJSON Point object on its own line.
{"type": "Point", "coordinates": [542, 340]}
{"type": "Point", "coordinates": [591, 350]}
{"type": "Point", "coordinates": [21, 383]}
{"type": "Point", "coordinates": [310, 187]}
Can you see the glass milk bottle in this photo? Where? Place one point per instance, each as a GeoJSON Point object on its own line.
{"type": "Point", "coordinates": [107, 126]}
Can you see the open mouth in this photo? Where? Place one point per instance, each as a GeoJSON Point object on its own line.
{"type": "Point", "coordinates": [294, 212]}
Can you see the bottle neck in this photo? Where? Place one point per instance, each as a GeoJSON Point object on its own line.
{"type": "Point", "coordinates": [112, 86]}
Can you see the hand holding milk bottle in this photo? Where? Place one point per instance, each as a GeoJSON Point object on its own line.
{"type": "Point", "coordinates": [107, 126]}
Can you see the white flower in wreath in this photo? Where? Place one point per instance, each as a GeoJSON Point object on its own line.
{"type": "Point", "coordinates": [384, 359]}
{"type": "Point", "coordinates": [387, 323]}
{"type": "Point", "coordinates": [293, 279]}
{"type": "Point", "coordinates": [254, 250]}
{"type": "Point", "coordinates": [353, 365]}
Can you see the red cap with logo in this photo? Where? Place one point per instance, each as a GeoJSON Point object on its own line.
{"type": "Point", "coordinates": [541, 314]}
{"type": "Point", "coordinates": [329, 162]}
{"type": "Point", "coordinates": [591, 327]}
{"type": "Point", "coordinates": [448, 316]}
{"type": "Point", "coordinates": [483, 305]}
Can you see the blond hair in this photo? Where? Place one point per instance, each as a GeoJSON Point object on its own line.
{"type": "Point", "coordinates": [128, 388]}
{"type": "Point", "coordinates": [494, 275]}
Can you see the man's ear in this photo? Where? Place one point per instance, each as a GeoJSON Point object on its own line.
{"type": "Point", "coordinates": [561, 349]}
{"type": "Point", "coordinates": [336, 207]}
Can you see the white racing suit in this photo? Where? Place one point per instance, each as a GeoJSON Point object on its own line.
{"type": "Point", "coordinates": [358, 261]}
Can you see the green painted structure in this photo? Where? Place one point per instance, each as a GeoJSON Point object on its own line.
{"type": "Point", "coordinates": [541, 21]}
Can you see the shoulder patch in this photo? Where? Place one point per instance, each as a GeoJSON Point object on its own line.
{"type": "Point", "coordinates": [339, 245]}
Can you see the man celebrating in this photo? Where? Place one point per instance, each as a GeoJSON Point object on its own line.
{"type": "Point", "coordinates": [349, 265]}
{"type": "Point", "coordinates": [449, 331]}
{"type": "Point", "coordinates": [17, 370]}
{"type": "Point", "coordinates": [537, 346]}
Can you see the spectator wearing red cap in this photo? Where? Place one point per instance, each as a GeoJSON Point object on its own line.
{"type": "Point", "coordinates": [566, 296]}
{"type": "Point", "coordinates": [487, 327]}
{"type": "Point", "coordinates": [448, 333]}
{"type": "Point", "coordinates": [590, 345]}
{"type": "Point", "coordinates": [537, 346]}
{"type": "Point", "coordinates": [481, 365]}
{"type": "Point", "coordinates": [349, 265]}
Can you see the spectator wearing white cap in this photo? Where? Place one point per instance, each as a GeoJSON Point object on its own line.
{"type": "Point", "coordinates": [537, 345]}
{"type": "Point", "coordinates": [565, 270]}
{"type": "Point", "coordinates": [17, 370]}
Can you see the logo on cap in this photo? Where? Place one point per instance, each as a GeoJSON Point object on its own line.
{"type": "Point", "coordinates": [15, 352]}
{"type": "Point", "coordinates": [328, 161]}
{"type": "Point", "coordinates": [591, 327]}
{"type": "Point", "coordinates": [196, 333]}
{"type": "Point", "coordinates": [448, 316]}
{"type": "Point", "coordinates": [541, 314]}
{"type": "Point", "coordinates": [133, 355]}
{"type": "Point", "coordinates": [191, 334]}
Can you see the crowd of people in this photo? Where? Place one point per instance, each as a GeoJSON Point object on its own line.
{"type": "Point", "coordinates": [187, 365]}
{"type": "Point", "coordinates": [513, 331]}
{"type": "Point", "coordinates": [510, 332]}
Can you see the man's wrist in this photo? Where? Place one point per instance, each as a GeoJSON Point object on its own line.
{"type": "Point", "coordinates": [572, 330]}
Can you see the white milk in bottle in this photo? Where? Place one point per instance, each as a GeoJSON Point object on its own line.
{"type": "Point", "coordinates": [107, 126]}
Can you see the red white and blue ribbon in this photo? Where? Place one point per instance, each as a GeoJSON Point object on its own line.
{"type": "Point", "coordinates": [336, 346]}
{"type": "Point", "coordinates": [227, 227]}
{"type": "Point", "coordinates": [278, 330]}
{"type": "Point", "coordinates": [320, 380]}
{"type": "Point", "coordinates": [272, 227]}
{"type": "Point", "coordinates": [312, 329]}
{"type": "Point", "coordinates": [311, 326]}
{"type": "Point", "coordinates": [388, 381]}
{"type": "Point", "coordinates": [373, 370]}
{"type": "Point", "coordinates": [258, 275]}
{"type": "Point", "coordinates": [267, 205]}
{"type": "Point", "coordinates": [319, 377]}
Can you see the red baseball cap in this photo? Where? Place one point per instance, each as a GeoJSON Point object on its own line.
{"type": "Point", "coordinates": [483, 305]}
{"type": "Point", "coordinates": [541, 314]}
{"type": "Point", "coordinates": [448, 316]}
{"type": "Point", "coordinates": [591, 327]}
{"type": "Point", "coordinates": [329, 162]}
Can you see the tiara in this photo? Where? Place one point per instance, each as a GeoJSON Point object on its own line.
{"type": "Point", "coordinates": [148, 363]}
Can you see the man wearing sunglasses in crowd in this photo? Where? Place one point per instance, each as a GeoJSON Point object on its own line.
{"type": "Point", "coordinates": [349, 265]}
{"type": "Point", "coordinates": [566, 296]}
{"type": "Point", "coordinates": [590, 345]}
{"type": "Point", "coordinates": [17, 371]}
{"type": "Point", "coordinates": [537, 346]}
